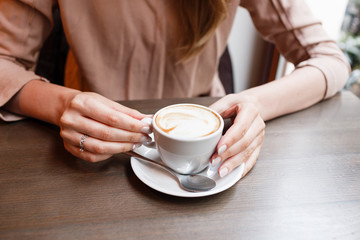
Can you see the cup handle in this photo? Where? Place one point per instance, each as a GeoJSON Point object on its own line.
{"type": "Point", "coordinates": [150, 145]}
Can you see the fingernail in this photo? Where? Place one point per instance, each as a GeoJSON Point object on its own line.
{"type": "Point", "coordinates": [147, 120]}
{"type": "Point", "coordinates": [136, 145]}
{"type": "Point", "coordinates": [144, 139]}
{"type": "Point", "coordinates": [215, 161]}
{"type": "Point", "coordinates": [146, 130]}
{"type": "Point", "coordinates": [223, 172]}
{"type": "Point", "coordinates": [222, 149]}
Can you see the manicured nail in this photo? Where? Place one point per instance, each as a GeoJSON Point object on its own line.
{"type": "Point", "coordinates": [215, 161]}
{"type": "Point", "coordinates": [136, 145]}
{"type": "Point", "coordinates": [145, 139]}
{"type": "Point", "coordinates": [222, 149]}
{"type": "Point", "coordinates": [146, 129]}
{"type": "Point", "coordinates": [147, 120]}
{"type": "Point", "coordinates": [223, 172]}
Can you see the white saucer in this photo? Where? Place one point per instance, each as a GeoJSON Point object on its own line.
{"type": "Point", "coordinates": [164, 182]}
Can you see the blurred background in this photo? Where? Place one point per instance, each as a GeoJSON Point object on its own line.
{"type": "Point", "coordinates": [341, 20]}
{"type": "Point", "coordinates": [349, 42]}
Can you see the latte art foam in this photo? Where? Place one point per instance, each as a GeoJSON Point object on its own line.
{"type": "Point", "coordinates": [187, 121]}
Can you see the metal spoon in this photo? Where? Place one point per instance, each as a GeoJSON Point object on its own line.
{"type": "Point", "coordinates": [191, 183]}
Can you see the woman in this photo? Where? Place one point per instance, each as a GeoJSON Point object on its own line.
{"type": "Point", "coordinates": [158, 49]}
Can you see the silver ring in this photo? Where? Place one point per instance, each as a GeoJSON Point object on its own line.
{"type": "Point", "coordinates": [82, 141]}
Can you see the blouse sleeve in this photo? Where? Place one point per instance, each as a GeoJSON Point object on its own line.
{"type": "Point", "coordinates": [300, 38]}
{"type": "Point", "coordinates": [24, 25]}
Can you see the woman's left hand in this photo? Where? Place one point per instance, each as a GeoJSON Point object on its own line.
{"type": "Point", "coordinates": [243, 140]}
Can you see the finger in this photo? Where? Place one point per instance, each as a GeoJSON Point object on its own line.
{"type": "Point", "coordinates": [100, 131]}
{"type": "Point", "coordinates": [250, 163]}
{"type": "Point", "coordinates": [98, 147]}
{"type": "Point", "coordinates": [121, 108]}
{"type": "Point", "coordinates": [85, 155]}
{"type": "Point", "coordinates": [257, 128]}
{"type": "Point", "coordinates": [99, 111]}
{"type": "Point", "coordinates": [94, 150]}
{"type": "Point", "coordinates": [244, 156]}
{"type": "Point", "coordinates": [245, 116]}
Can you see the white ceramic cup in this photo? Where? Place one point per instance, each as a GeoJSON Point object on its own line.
{"type": "Point", "coordinates": [188, 148]}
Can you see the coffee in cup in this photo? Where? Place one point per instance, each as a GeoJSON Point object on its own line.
{"type": "Point", "coordinates": [187, 121]}
{"type": "Point", "coordinates": [186, 136]}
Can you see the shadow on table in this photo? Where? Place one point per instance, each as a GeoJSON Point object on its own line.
{"type": "Point", "coordinates": [156, 196]}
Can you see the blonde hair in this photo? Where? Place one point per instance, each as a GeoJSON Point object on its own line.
{"type": "Point", "coordinates": [199, 20]}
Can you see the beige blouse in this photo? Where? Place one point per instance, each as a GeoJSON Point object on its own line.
{"type": "Point", "coordinates": [122, 49]}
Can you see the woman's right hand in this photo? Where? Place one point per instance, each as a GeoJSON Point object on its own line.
{"type": "Point", "coordinates": [109, 127]}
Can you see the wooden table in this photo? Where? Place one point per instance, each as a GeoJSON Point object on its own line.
{"type": "Point", "coordinates": [305, 185]}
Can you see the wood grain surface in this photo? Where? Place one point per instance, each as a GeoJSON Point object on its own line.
{"type": "Point", "coordinates": [305, 185]}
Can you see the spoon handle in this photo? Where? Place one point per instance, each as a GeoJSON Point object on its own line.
{"type": "Point", "coordinates": [143, 158]}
